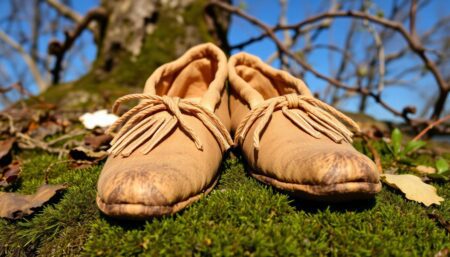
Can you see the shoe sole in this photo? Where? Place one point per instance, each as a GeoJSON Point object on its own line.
{"type": "Point", "coordinates": [142, 211]}
{"type": "Point", "coordinates": [334, 193]}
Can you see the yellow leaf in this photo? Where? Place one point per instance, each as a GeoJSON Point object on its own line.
{"type": "Point", "coordinates": [425, 169]}
{"type": "Point", "coordinates": [413, 188]}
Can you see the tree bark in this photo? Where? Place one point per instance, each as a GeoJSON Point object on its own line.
{"type": "Point", "coordinates": [138, 30]}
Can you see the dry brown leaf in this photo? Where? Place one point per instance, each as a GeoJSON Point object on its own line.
{"type": "Point", "coordinates": [45, 129]}
{"type": "Point", "coordinates": [86, 154]}
{"type": "Point", "coordinates": [413, 188]}
{"type": "Point", "coordinates": [97, 141]}
{"type": "Point", "coordinates": [9, 174]}
{"type": "Point", "coordinates": [16, 206]}
{"type": "Point", "coordinates": [5, 150]}
{"type": "Point", "coordinates": [84, 157]}
{"type": "Point", "coordinates": [425, 169]}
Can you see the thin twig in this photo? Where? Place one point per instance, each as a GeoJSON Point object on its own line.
{"type": "Point", "coordinates": [59, 49]}
{"type": "Point", "coordinates": [27, 142]}
{"type": "Point", "coordinates": [270, 32]}
{"type": "Point", "coordinates": [67, 136]}
{"type": "Point", "coordinates": [381, 59]}
{"type": "Point", "coordinates": [429, 127]}
{"type": "Point", "coordinates": [32, 65]}
{"type": "Point", "coordinates": [412, 19]}
{"type": "Point", "coordinates": [69, 13]}
{"type": "Point", "coordinates": [414, 45]}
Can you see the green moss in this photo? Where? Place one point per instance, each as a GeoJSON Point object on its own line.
{"type": "Point", "coordinates": [243, 217]}
{"type": "Point", "coordinates": [240, 217]}
{"type": "Point", "coordinates": [61, 226]}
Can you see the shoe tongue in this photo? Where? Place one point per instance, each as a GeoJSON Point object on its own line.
{"type": "Point", "coordinates": [199, 73]}
{"type": "Point", "coordinates": [257, 81]}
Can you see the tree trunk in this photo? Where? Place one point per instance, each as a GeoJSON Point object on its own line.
{"type": "Point", "coordinates": [143, 34]}
{"type": "Point", "coordinates": [138, 37]}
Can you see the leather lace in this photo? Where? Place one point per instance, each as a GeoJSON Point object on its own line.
{"type": "Point", "coordinates": [308, 113]}
{"type": "Point", "coordinates": [142, 127]}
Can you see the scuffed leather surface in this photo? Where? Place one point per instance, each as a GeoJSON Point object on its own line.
{"type": "Point", "coordinates": [288, 156]}
{"type": "Point", "coordinates": [175, 173]}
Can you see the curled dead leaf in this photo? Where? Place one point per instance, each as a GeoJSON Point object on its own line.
{"type": "Point", "coordinates": [9, 174]}
{"type": "Point", "coordinates": [5, 150]}
{"type": "Point", "coordinates": [45, 129]}
{"type": "Point", "coordinates": [413, 188]}
{"type": "Point", "coordinates": [16, 206]}
{"type": "Point", "coordinates": [98, 141]}
{"type": "Point", "coordinates": [86, 154]}
{"type": "Point", "coordinates": [84, 157]}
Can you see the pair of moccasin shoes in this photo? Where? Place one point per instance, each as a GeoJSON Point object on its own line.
{"type": "Point", "coordinates": [167, 150]}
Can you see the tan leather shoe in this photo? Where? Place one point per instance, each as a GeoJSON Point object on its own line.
{"type": "Point", "coordinates": [167, 152]}
{"type": "Point", "coordinates": [293, 141]}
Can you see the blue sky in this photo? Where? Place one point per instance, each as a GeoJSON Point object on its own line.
{"type": "Point", "coordinates": [299, 10]}
{"type": "Point", "coordinates": [268, 11]}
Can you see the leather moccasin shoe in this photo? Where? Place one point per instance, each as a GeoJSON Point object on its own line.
{"type": "Point", "coordinates": [167, 149]}
{"type": "Point", "coordinates": [293, 141]}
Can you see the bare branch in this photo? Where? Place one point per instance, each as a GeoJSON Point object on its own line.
{"type": "Point", "coordinates": [270, 32]}
{"type": "Point", "coordinates": [36, 24]}
{"type": "Point", "coordinates": [343, 65]}
{"type": "Point", "coordinates": [290, 41]}
{"type": "Point", "coordinates": [381, 59]}
{"type": "Point", "coordinates": [67, 12]}
{"type": "Point", "coordinates": [430, 126]}
{"type": "Point", "coordinates": [59, 49]}
{"type": "Point", "coordinates": [27, 58]}
{"type": "Point", "coordinates": [412, 19]}
{"type": "Point", "coordinates": [414, 45]}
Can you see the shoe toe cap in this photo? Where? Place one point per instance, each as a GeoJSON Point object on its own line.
{"type": "Point", "coordinates": [329, 173]}
{"type": "Point", "coordinates": [143, 190]}
{"type": "Point", "coordinates": [345, 167]}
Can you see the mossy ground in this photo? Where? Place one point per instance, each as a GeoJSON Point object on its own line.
{"type": "Point", "coordinates": [240, 217]}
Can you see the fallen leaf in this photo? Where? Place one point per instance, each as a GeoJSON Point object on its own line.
{"type": "Point", "coordinates": [9, 174]}
{"type": "Point", "coordinates": [45, 129]}
{"type": "Point", "coordinates": [97, 141]}
{"type": "Point", "coordinates": [425, 169]}
{"type": "Point", "coordinates": [16, 206]}
{"type": "Point", "coordinates": [98, 119]}
{"type": "Point", "coordinates": [413, 188]}
{"type": "Point", "coordinates": [84, 157]}
{"type": "Point", "coordinates": [83, 153]}
{"type": "Point", "coordinates": [5, 150]}
{"type": "Point", "coordinates": [19, 117]}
